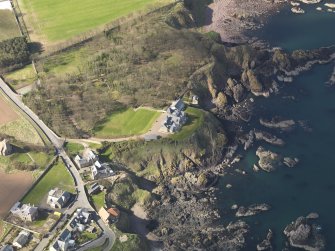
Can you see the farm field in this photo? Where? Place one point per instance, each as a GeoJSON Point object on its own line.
{"type": "Point", "coordinates": [59, 20]}
{"type": "Point", "coordinates": [8, 25]}
{"type": "Point", "coordinates": [16, 185]}
{"type": "Point", "coordinates": [57, 176]}
{"type": "Point", "coordinates": [126, 123]}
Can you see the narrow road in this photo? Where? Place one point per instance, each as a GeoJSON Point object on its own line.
{"type": "Point", "coordinates": [81, 200]}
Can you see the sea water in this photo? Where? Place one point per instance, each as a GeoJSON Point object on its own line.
{"type": "Point", "coordinates": [310, 186]}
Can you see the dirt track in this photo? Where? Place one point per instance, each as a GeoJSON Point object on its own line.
{"type": "Point", "coordinates": [7, 114]}
{"type": "Point", "coordinates": [12, 188]}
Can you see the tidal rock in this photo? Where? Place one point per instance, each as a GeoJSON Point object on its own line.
{"type": "Point", "coordinates": [234, 236]}
{"type": "Point", "coordinates": [266, 243]}
{"type": "Point", "coordinates": [234, 207]}
{"type": "Point", "coordinates": [269, 138]}
{"type": "Point", "coordinates": [302, 233]}
{"type": "Point", "coordinates": [229, 186]}
{"type": "Point", "coordinates": [312, 216]}
{"type": "Point", "coordinates": [252, 210]}
{"type": "Point", "coordinates": [255, 168]}
{"type": "Point", "coordinates": [267, 159]}
{"type": "Point", "coordinates": [277, 123]}
{"type": "Point", "coordinates": [250, 140]}
{"type": "Point", "coordinates": [290, 162]}
{"type": "Point", "coordinates": [238, 92]}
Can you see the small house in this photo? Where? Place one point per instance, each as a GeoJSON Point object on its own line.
{"type": "Point", "coordinates": [87, 159]}
{"type": "Point", "coordinates": [58, 198]}
{"type": "Point", "coordinates": [109, 216]}
{"type": "Point", "coordinates": [100, 171]}
{"type": "Point", "coordinates": [5, 148]}
{"type": "Point", "coordinates": [7, 248]}
{"type": "Point", "coordinates": [22, 239]}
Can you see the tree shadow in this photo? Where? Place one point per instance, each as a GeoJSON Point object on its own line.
{"type": "Point", "coordinates": [36, 47]}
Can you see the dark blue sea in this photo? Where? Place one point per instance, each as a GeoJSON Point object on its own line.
{"type": "Point", "coordinates": [310, 186]}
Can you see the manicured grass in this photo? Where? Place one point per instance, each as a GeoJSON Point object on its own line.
{"type": "Point", "coordinates": [22, 77]}
{"type": "Point", "coordinates": [126, 123]}
{"type": "Point", "coordinates": [63, 19]}
{"type": "Point", "coordinates": [99, 200]}
{"type": "Point", "coordinates": [8, 26]}
{"type": "Point", "coordinates": [73, 148]}
{"type": "Point", "coordinates": [195, 118]}
{"type": "Point", "coordinates": [57, 176]}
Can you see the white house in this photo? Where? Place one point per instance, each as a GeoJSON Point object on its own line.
{"type": "Point", "coordinates": [58, 198]}
{"type": "Point", "coordinates": [87, 159]}
{"type": "Point", "coordinates": [175, 117]}
{"type": "Point", "coordinates": [22, 239]}
{"type": "Point", "coordinates": [100, 171]}
{"type": "Point", "coordinates": [63, 242]}
{"type": "Point", "coordinates": [25, 212]}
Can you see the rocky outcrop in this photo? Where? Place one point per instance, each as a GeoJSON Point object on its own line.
{"type": "Point", "coordinates": [278, 123]}
{"type": "Point", "coordinates": [266, 245]}
{"type": "Point", "coordinates": [290, 162]}
{"type": "Point", "coordinates": [5, 148]}
{"type": "Point", "coordinates": [304, 234]}
{"type": "Point", "coordinates": [252, 210]}
{"type": "Point", "coordinates": [269, 138]}
{"type": "Point", "coordinates": [267, 159]}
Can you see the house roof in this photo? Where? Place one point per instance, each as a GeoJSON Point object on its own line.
{"type": "Point", "coordinates": [103, 214]}
{"type": "Point", "coordinates": [114, 212]}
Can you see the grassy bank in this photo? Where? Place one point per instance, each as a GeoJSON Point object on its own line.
{"type": "Point", "coordinates": [22, 77]}
{"type": "Point", "coordinates": [126, 123]}
{"type": "Point", "coordinates": [57, 176]}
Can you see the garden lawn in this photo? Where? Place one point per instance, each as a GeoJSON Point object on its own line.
{"type": "Point", "coordinates": [57, 176]}
{"type": "Point", "coordinates": [8, 26]}
{"type": "Point", "coordinates": [195, 118]}
{"type": "Point", "coordinates": [63, 19]}
{"type": "Point", "coordinates": [99, 200]}
{"type": "Point", "coordinates": [126, 123]}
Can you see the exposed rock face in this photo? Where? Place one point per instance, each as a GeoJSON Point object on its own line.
{"type": "Point", "coordinates": [252, 210]}
{"type": "Point", "coordinates": [5, 148]}
{"type": "Point", "coordinates": [269, 138]}
{"type": "Point", "coordinates": [290, 162]}
{"type": "Point", "coordinates": [267, 159]}
{"type": "Point", "coordinates": [303, 234]}
{"type": "Point", "coordinates": [238, 92]}
{"type": "Point", "coordinates": [266, 243]}
{"type": "Point", "coordinates": [277, 123]}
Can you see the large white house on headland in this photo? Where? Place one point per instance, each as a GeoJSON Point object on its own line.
{"type": "Point", "coordinates": [175, 117]}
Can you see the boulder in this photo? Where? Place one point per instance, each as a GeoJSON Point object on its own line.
{"type": "Point", "coordinates": [238, 92]}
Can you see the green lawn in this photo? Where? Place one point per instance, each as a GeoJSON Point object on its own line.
{"type": "Point", "coordinates": [8, 26]}
{"type": "Point", "coordinates": [58, 176]}
{"type": "Point", "coordinates": [195, 118]}
{"type": "Point", "coordinates": [62, 19]}
{"type": "Point", "coordinates": [73, 148]}
{"type": "Point", "coordinates": [99, 200]}
{"type": "Point", "coordinates": [22, 77]}
{"type": "Point", "coordinates": [126, 123]}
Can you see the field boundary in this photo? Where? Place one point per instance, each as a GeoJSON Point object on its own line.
{"type": "Point", "coordinates": [87, 36]}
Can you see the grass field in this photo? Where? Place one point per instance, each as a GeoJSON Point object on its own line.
{"type": "Point", "coordinates": [22, 77]}
{"type": "Point", "coordinates": [195, 118]}
{"type": "Point", "coordinates": [58, 176]}
{"type": "Point", "coordinates": [8, 26]}
{"type": "Point", "coordinates": [126, 123]}
{"type": "Point", "coordinates": [63, 19]}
